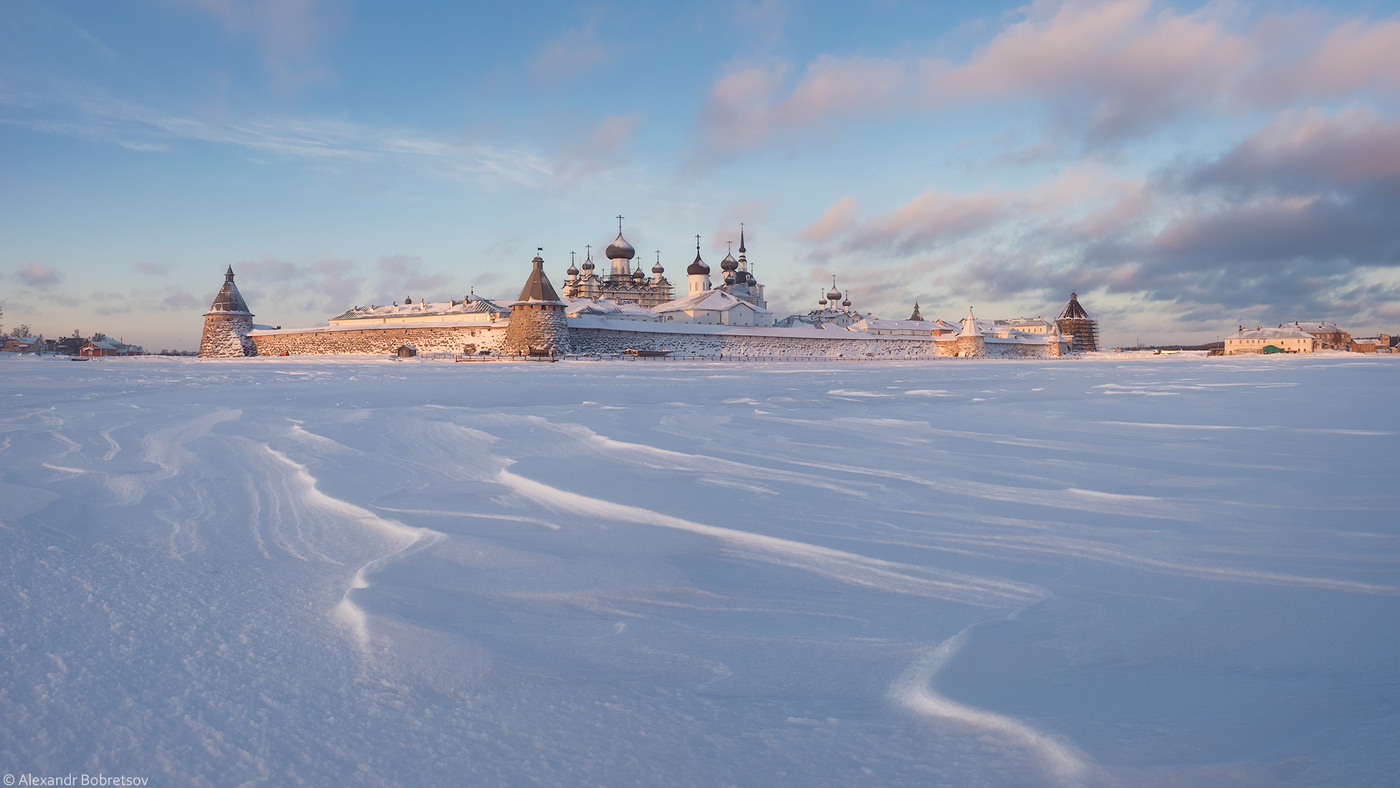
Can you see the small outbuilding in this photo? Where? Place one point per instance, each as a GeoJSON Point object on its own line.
{"type": "Point", "coordinates": [406, 351]}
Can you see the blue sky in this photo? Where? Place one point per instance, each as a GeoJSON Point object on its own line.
{"type": "Point", "coordinates": [1185, 168]}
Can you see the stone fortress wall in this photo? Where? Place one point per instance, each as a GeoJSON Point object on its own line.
{"type": "Point", "coordinates": [378, 341]}
{"type": "Point", "coordinates": [538, 325]}
{"type": "Point", "coordinates": [594, 339]}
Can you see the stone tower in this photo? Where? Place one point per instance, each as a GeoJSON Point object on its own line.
{"type": "Point", "coordinates": [226, 324]}
{"type": "Point", "coordinates": [970, 342]}
{"type": "Point", "coordinates": [1076, 324]}
{"type": "Point", "coordinates": [537, 321]}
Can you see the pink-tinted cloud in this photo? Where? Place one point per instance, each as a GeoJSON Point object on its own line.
{"type": "Point", "coordinates": [39, 275]}
{"type": "Point", "coordinates": [605, 146]}
{"type": "Point", "coordinates": [570, 55]}
{"type": "Point", "coordinates": [404, 275]}
{"type": "Point", "coordinates": [1298, 216]}
{"type": "Point", "coordinates": [742, 108]}
{"type": "Point", "coordinates": [839, 218]}
{"type": "Point", "coordinates": [1108, 70]}
{"type": "Point", "coordinates": [1311, 150]}
{"type": "Point", "coordinates": [288, 32]}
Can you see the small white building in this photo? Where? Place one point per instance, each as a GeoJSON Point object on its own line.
{"type": "Point", "coordinates": [1025, 325]}
{"type": "Point", "coordinates": [904, 328]}
{"type": "Point", "coordinates": [714, 307]}
{"type": "Point", "coordinates": [471, 309]}
{"type": "Point", "coordinates": [1285, 338]}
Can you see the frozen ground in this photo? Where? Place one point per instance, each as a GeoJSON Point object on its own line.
{"type": "Point", "coordinates": [1127, 571]}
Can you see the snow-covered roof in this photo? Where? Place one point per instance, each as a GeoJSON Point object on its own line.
{"type": "Point", "coordinates": [708, 300]}
{"type": "Point", "coordinates": [1024, 322]}
{"type": "Point", "coordinates": [472, 304]}
{"type": "Point", "coordinates": [1319, 327]}
{"type": "Point", "coordinates": [1288, 331]}
{"type": "Point", "coordinates": [970, 327]}
{"type": "Point", "coordinates": [608, 307]}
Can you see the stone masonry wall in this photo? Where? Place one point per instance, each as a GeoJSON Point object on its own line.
{"type": "Point", "coordinates": [381, 341]}
{"type": "Point", "coordinates": [226, 336]}
{"type": "Point", "coordinates": [384, 341]}
{"type": "Point", "coordinates": [608, 342]}
{"type": "Point", "coordinates": [536, 325]}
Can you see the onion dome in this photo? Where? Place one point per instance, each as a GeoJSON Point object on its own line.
{"type": "Point", "coordinates": [833, 295]}
{"type": "Point", "coordinates": [822, 301]}
{"type": "Point", "coordinates": [619, 248]}
{"type": "Point", "coordinates": [657, 269]}
{"type": "Point", "coordinates": [699, 266]}
{"type": "Point", "coordinates": [573, 271]}
{"type": "Point", "coordinates": [637, 275]}
{"type": "Point", "coordinates": [847, 302]}
{"type": "Point", "coordinates": [729, 263]}
{"type": "Point", "coordinates": [729, 278]}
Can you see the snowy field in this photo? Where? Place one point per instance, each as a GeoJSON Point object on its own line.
{"type": "Point", "coordinates": [1120, 571]}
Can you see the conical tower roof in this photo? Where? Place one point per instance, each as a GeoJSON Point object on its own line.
{"type": "Point", "coordinates": [537, 287]}
{"type": "Point", "coordinates": [970, 327]}
{"type": "Point", "coordinates": [229, 301]}
{"type": "Point", "coordinates": [916, 315]}
{"type": "Point", "coordinates": [1073, 310]}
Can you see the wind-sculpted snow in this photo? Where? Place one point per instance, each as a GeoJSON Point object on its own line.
{"type": "Point", "coordinates": [1164, 571]}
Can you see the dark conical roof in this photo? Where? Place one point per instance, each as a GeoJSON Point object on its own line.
{"type": "Point", "coordinates": [537, 287]}
{"type": "Point", "coordinates": [916, 315]}
{"type": "Point", "coordinates": [229, 301]}
{"type": "Point", "coordinates": [1073, 310]}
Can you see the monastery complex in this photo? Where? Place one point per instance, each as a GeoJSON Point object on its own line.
{"type": "Point", "coordinates": [627, 312]}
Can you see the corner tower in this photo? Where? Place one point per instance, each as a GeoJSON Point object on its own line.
{"type": "Point", "coordinates": [537, 322]}
{"type": "Point", "coordinates": [1076, 324]}
{"type": "Point", "coordinates": [226, 324]}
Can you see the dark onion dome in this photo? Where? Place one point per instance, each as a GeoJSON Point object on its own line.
{"type": "Point", "coordinates": [729, 278]}
{"type": "Point", "coordinates": [1073, 310]}
{"type": "Point", "coordinates": [729, 263]}
{"type": "Point", "coordinates": [847, 302]}
{"type": "Point", "coordinates": [637, 275]}
{"type": "Point", "coordinates": [572, 270]}
{"type": "Point", "coordinates": [833, 295]}
{"type": "Point", "coordinates": [619, 248]}
{"type": "Point", "coordinates": [229, 301]}
{"type": "Point", "coordinates": [697, 267]}
{"type": "Point", "coordinates": [741, 240]}
{"type": "Point", "coordinates": [821, 300]}
{"type": "Point", "coordinates": [588, 264]}
{"type": "Point", "coordinates": [657, 269]}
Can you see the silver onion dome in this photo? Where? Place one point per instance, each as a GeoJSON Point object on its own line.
{"type": "Point", "coordinates": [619, 248]}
